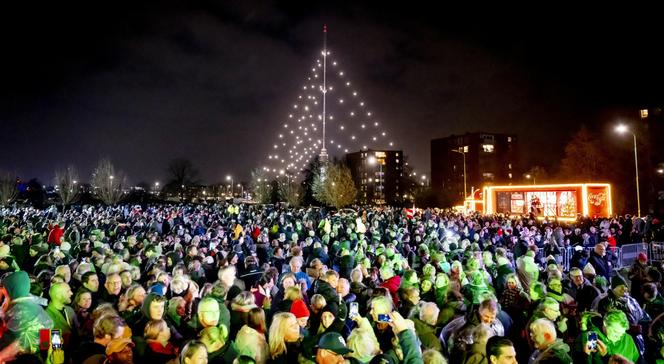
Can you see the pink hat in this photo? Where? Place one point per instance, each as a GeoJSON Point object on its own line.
{"type": "Point", "coordinates": [643, 256]}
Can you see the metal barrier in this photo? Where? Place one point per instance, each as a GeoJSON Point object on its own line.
{"type": "Point", "coordinates": [656, 251]}
{"type": "Point", "coordinates": [630, 253]}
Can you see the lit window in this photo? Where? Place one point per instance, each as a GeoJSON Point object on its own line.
{"type": "Point", "coordinates": [465, 149]}
{"type": "Point", "coordinates": [509, 139]}
{"type": "Point", "coordinates": [488, 148]}
{"type": "Point", "coordinates": [644, 113]}
{"type": "Point", "coordinates": [397, 154]}
{"type": "Point", "coordinates": [487, 175]}
{"type": "Point", "coordinates": [509, 166]}
{"type": "Point", "coordinates": [397, 161]}
{"type": "Point", "coordinates": [509, 175]}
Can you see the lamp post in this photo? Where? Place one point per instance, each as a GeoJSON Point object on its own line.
{"type": "Point", "coordinates": [241, 190]}
{"type": "Point", "coordinates": [621, 129]}
{"type": "Point", "coordinates": [462, 151]}
{"type": "Point", "coordinates": [230, 178]}
{"type": "Point", "coordinates": [529, 176]}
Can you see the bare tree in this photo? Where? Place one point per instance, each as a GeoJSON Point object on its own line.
{"type": "Point", "coordinates": [337, 188]}
{"type": "Point", "coordinates": [260, 186]}
{"type": "Point", "coordinates": [108, 183]}
{"type": "Point", "coordinates": [8, 190]}
{"type": "Point", "coordinates": [290, 191]}
{"type": "Point", "coordinates": [181, 173]}
{"type": "Point", "coordinates": [66, 180]}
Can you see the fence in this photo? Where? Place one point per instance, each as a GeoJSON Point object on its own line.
{"type": "Point", "coordinates": [622, 256]}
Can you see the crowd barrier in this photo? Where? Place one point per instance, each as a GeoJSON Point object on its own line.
{"type": "Point", "coordinates": [622, 256]}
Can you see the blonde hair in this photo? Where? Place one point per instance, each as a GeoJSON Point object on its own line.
{"type": "Point", "coordinates": [245, 298]}
{"type": "Point", "coordinates": [153, 328]}
{"type": "Point", "coordinates": [293, 293]}
{"type": "Point", "coordinates": [278, 328]}
{"type": "Point", "coordinates": [318, 301]}
{"type": "Point", "coordinates": [364, 344]}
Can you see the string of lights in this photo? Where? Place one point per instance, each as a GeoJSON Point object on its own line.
{"type": "Point", "coordinates": [350, 124]}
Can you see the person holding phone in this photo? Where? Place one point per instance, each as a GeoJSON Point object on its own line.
{"type": "Point", "coordinates": [612, 338]}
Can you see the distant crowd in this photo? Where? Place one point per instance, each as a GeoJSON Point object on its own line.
{"type": "Point", "coordinates": [241, 283]}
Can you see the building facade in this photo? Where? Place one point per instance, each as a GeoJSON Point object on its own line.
{"type": "Point", "coordinates": [377, 175]}
{"type": "Point", "coordinates": [482, 158]}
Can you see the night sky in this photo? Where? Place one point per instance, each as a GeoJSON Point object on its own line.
{"type": "Point", "coordinates": [143, 82]}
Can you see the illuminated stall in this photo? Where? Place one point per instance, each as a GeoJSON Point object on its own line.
{"type": "Point", "coordinates": [561, 201]}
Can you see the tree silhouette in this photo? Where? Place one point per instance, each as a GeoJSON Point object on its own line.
{"type": "Point", "coordinates": [67, 182]}
{"type": "Point", "coordinates": [108, 183]}
{"type": "Point", "coordinates": [8, 190]}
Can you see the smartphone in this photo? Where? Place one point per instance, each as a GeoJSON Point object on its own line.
{"type": "Point", "coordinates": [354, 310]}
{"type": "Point", "coordinates": [56, 339]}
{"type": "Point", "coordinates": [592, 340]}
{"type": "Point", "coordinates": [384, 318]}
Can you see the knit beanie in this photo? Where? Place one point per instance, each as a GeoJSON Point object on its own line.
{"type": "Point", "coordinates": [617, 281]}
{"type": "Point", "coordinates": [299, 309]}
{"type": "Point", "coordinates": [17, 284]}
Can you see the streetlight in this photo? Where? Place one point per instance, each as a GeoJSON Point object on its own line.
{"type": "Point", "coordinates": [529, 176]}
{"type": "Point", "coordinates": [462, 151]}
{"type": "Point", "coordinates": [424, 180]}
{"type": "Point", "coordinates": [241, 190]}
{"type": "Point", "coordinates": [622, 129]}
{"type": "Point", "coordinates": [230, 178]}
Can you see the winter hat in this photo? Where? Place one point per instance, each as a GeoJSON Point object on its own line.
{"type": "Point", "coordinates": [331, 307]}
{"type": "Point", "coordinates": [17, 284]}
{"type": "Point", "coordinates": [158, 288]}
{"type": "Point", "coordinates": [589, 270]}
{"type": "Point", "coordinates": [642, 256]}
{"type": "Point", "coordinates": [617, 281]}
{"type": "Point", "coordinates": [233, 292]}
{"type": "Point", "coordinates": [299, 309]}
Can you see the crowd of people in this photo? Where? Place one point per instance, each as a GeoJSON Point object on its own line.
{"type": "Point", "coordinates": [242, 283]}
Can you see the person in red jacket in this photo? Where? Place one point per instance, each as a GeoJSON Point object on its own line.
{"type": "Point", "coordinates": [55, 235]}
{"type": "Point", "coordinates": [391, 282]}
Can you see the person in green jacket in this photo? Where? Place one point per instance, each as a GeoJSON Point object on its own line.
{"type": "Point", "coordinates": [63, 316]}
{"type": "Point", "coordinates": [611, 339]}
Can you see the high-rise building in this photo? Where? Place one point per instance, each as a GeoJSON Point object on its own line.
{"type": "Point", "coordinates": [377, 175]}
{"type": "Point", "coordinates": [479, 158]}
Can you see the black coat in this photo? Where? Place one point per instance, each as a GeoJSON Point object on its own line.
{"type": "Point", "coordinates": [602, 265]}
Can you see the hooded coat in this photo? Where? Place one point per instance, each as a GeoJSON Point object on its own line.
{"type": "Point", "coordinates": [251, 342]}
{"type": "Point", "coordinates": [24, 317]}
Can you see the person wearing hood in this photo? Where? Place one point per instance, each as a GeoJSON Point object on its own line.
{"type": "Point", "coordinates": [24, 316]}
{"type": "Point", "coordinates": [251, 339]}
{"type": "Point", "coordinates": [240, 307]}
{"type": "Point", "coordinates": [548, 348]}
{"type": "Point", "coordinates": [153, 308]}
{"type": "Point", "coordinates": [220, 349]}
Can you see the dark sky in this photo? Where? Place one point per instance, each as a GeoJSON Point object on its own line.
{"type": "Point", "coordinates": [143, 82]}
